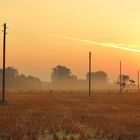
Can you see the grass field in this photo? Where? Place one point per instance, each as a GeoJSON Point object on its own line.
{"type": "Point", "coordinates": [70, 117]}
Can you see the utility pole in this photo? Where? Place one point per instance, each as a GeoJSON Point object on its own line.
{"type": "Point", "coordinates": [120, 75]}
{"type": "Point", "coordinates": [4, 50]}
{"type": "Point", "coordinates": [138, 80]}
{"type": "Point", "coordinates": [89, 74]}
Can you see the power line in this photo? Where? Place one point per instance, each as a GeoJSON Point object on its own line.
{"type": "Point", "coordinates": [25, 37]}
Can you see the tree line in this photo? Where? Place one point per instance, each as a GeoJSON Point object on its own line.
{"type": "Point", "coordinates": [14, 80]}
{"type": "Point", "coordinates": [61, 78]}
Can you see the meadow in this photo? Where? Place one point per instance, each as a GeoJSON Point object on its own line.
{"type": "Point", "coordinates": [70, 116]}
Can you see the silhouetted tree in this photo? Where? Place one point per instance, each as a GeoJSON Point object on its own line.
{"type": "Point", "coordinates": [60, 73]}
{"type": "Point", "coordinates": [33, 82]}
{"type": "Point", "coordinates": [99, 79]}
{"type": "Point", "coordinates": [11, 74]}
{"type": "Point", "coordinates": [125, 82]}
{"type": "Point", "coordinates": [16, 81]}
{"type": "Point", "coordinates": [99, 76]}
{"type": "Point", "coordinates": [62, 77]}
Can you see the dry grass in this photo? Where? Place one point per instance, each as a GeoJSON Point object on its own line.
{"type": "Point", "coordinates": [70, 117]}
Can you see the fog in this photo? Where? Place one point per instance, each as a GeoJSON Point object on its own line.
{"type": "Point", "coordinates": [61, 78]}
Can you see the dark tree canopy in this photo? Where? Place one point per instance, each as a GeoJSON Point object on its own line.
{"type": "Point", "coordinates": [16, 81]}
{"type": "Point", "coordinates": [125, 81]}
{"type": "Point", "coordinates": [99, 76]}
{"type": "Point", "coordinates": [62, 77]}
{"type": "Point", "coordinates": [61, 73]}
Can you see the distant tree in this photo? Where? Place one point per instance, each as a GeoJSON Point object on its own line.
{"type": "Point", "coordinates": [62, 77]}
{"type": "Point", "coordinates": [11, 74]}
{"type": "Point", "coordinates": [125, 82]}
{"type": "Point", "coordinates": [33, 82]}
{"type": "Point", "coordinates": [16, 81]}
{"type": "Point", "coordinates": [99, 80]}
{"type": "Point", "coordinates": [99, 76]}
{"type": "Point", "coordinates": [21, 81]}
{"type": "Point", "coordinates": [60, 73]}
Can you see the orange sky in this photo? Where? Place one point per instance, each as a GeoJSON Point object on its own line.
{"type": "Point", "coordinates": [32, 50]}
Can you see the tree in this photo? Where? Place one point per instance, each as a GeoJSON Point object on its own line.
{"type": "Point", "coordinates": [62, 77]}
{"type": "Point", "coordinates": [33, 82]}
{"type": "Point", "coordinates": [16, 81]}
{"type": "Point", "coordinates": [99, 79]}
{"type": "Point", "coordinates": [60, 73]}
{"type": "Point", "coordinates": [11, 74]}
{"type": "Point", "coordinates": [99, 76]}
{"type": "Point", "coordinates": [125, 82]}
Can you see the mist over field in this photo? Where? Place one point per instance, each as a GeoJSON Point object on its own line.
{"type": "Point", "coordinates": [61, 78]}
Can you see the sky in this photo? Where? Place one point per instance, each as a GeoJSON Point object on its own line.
{"type": "Point", "coordinates": [45, 33]}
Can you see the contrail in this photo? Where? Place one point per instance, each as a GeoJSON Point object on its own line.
{"type": "Point", "coordinates": [109, 45]}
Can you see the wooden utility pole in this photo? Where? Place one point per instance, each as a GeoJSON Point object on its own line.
{"type": "Point", "coordinates": [4, 50]}
{"type": "Point", "coordinates": [89, 74]}
{"type": "Point", "coordinates": [120, 75]}
{"type": "Point", "coordinates": [138, 81]}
